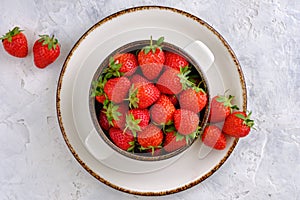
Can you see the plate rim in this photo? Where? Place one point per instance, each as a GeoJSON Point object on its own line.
{"type": "Point", "coordinates": [60, 80]}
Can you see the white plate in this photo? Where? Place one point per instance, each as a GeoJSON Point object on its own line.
{"type": "Point", "coordinates": [178, 28]}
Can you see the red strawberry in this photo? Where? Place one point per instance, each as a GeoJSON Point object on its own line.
{"type": "Point", "coordinates": [98, 90]}
{"type": "Point", "coordinates": [220, 108]}
{"type": "Point", "coordinates": [173, 99]}
{"type": "Point", "coordinates": [100, 98]}
{"type": "Point", "coordinates": [194, 99]}
{"type": "Point", "coordinates": [124, 140]}
{"type": "Point", "coordinates": [143, 96]}
{"type": "Point", "coordinates": [137, 119]}
{"type": "Point", "coordinates": [173, 81]}
{"type": "Point", "coordinates": [238, 124]}
{"type": "Point", "coordinates": [116, 89]}
{"type": "Point", "coordinates": [116, 114]}
{"type": "Point", "coordinates": [128, 63]}
{"type": "Point", "coordinates": [162, 111]}
{"type": "Point", "coordinates": [138, 80]}
{"type": "Point", "coordinates": [142, 115]}
{"type": "Point", "coordinates": [186, 121]}
{"type": "Point", "coordinates": [15, 43]}
{"type": "Point", "coordinates": [45, 51]}
{"type": "Point", "coordinates": [175, 61]}
{"type": "Point", "coordinates": [174, 141]}
{"type": "Point", "coordinates": [121, 64]}
{"type": "Point", "coordinates": [213, 137]}
{"type": "Point", "coordinates": [150, 137]}
{"type": "Point", "coordinates": [151, 59]}
{"type": "Point", "coordinates": [103, 121]}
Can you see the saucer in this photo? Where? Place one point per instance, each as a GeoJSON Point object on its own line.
{"type": "Point", "coordinates": [132, 176]}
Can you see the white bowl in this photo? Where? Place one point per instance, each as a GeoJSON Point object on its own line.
{"type": "Point", "coordinates": [117, 171]}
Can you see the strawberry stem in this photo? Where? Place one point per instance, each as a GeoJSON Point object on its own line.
{"type": "Point", "coordinates": [227, 102]}
{"type": "Point", "coordinates": [112, 69]}
{"type": "Point", "coordinates": [152, 47]}
{"type": "Point", "coordinates": [133, 99]}
{"type": "Point", "coordinates": [98, 87]}
{"type": "Point", "coordinates": [151, 42]}
{"type": "Point", "coordinates": [52, 42]}
{"type": "Point", "coordinates": [246, 119]}
{"type": "Point", "coordinates": [112, 113]}
{"type": "Point", "coordinates": [132, 124]}
{"type": "Point", "coordinates": [16, 30]}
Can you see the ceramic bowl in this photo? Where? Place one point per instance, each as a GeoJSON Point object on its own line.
{"type": "Point", "coordinates": [110, 167]}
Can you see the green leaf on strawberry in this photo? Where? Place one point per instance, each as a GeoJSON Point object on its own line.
{"type": "Point", "coordinates": [98, 87]}
{"type": "Point", "coordinates": [52, 42]}
{"type": "Point", "coordinates": [9, 35]}
{"type": "Point", "coordinates": [194, 134]}
{"type": "Point", "coordinates": [113, 69]}
{"type": "Point", "coordinates": [184, 78]}
{"type": "Point", "coordinates": [132, 146]}
{"type": "Point", "coordinates": [132, 124]}
{"type": "Point", "coordinates": [133, 99]}
{"type": "Point", "coordinates": [227, 102]}
{"type": "Point", "coordinates": [112, 113]}
{"type": "Point", "coordinates": [152, 47]}
{"type": "Point", "coordinates": [246, 120]}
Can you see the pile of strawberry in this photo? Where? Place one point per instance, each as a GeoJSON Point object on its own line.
{"type": "Point", "coordinates": [225, 119]}
{"type": "Point", "coordinates": [45, 50]}
{"type": "Point", "coordinates": [150, 101]}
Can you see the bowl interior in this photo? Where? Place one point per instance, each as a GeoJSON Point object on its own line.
{"type": "Point", "coordinates": [95, 107]}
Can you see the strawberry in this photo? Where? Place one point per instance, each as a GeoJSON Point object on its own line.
{"type": "Point", "coordinates": [128, 63]}
{"type": "Point", "coordinates": [175, 61]}
{"type": "Point", "coordinates": [238, 124]}
{"type": "Point", "coordinates": [174, 141]}
{"type": "Point", "coordinates": [116, 89]}
{"type": "Point", "coordinates": [116, 114]}
{"type": "Point", "coordinates": [194, 99]}
{"type": "Point", "coordinates": [124, 140]}
{"type": "Point", "coordinates": [45, 51]}
{"type": "Point", "coordinates": [150, 137]}
{"type": "Point", "coordinates": [98, 89]}
{"type": "Point", "coordinates": [173, 99]}
{"type": "Point", "coordinates": [137, 119]}
{"type": "Point", "coordinates": [220, 108]}
{"type": "Point", "coordinates": [173, 81]}
{"type": "Point", "coordinates": [103, 121]}
{"type": "Point", "coordinates": [123, 64]}
{"type": "Point", "coordinates": [143, 96]}
{"type": "Point", "coordinates": [141, 114]}
{"type": "Point", "coordinates": [186, 121]}
{"type": "Point", "coordinates": [15, 43]}
{"type": "Point", "coordinates": [138, 80]}
{"type": "Point", "coordinates": [151, 59]}
{"type": "Point", "coordinates": [213, 137]}
{"type": "Point", "coordinates": [100, 98]}
{"type": "Point", "coordinates": [162, 111]}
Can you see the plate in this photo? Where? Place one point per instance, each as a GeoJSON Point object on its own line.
{"type": "Point", "coordinates": [125, 174]}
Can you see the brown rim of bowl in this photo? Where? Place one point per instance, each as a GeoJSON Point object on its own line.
{"type": "Point", "coordinates": [120, 13]}
{"type": "Point", "coordinates": [133, 46]}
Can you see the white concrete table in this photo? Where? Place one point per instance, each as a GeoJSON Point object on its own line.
{"type": "Point", "coordinates": [265, 35]}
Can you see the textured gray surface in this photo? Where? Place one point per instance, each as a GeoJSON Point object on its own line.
{"type": "Point", "coordinates": [265, 35]}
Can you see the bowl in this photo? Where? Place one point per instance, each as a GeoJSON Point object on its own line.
{"type": "Point", "coordinates": [197, 79]}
